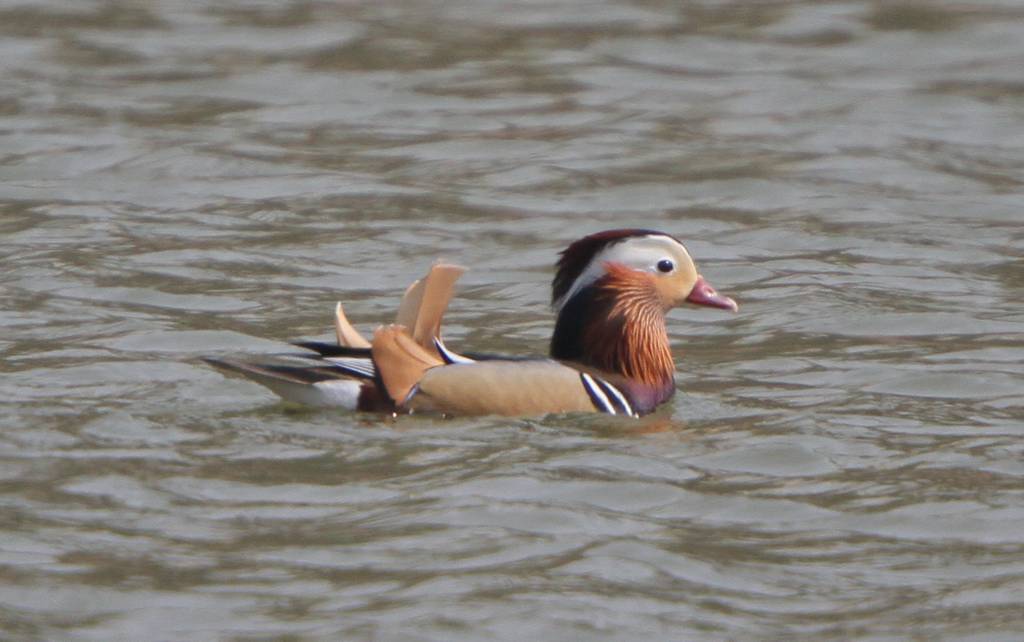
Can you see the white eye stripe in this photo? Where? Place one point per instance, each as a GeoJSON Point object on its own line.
{"type": "Point", "coordinates": [640, 253]}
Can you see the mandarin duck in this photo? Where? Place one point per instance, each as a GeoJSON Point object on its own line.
{"type": "Point", "coordinates": [609, 351]}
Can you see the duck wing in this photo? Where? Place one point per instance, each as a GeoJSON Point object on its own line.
{"type": "Point", "coordinates": [310, 383]}
{"type": "Point", "coordinates": [416, 379]}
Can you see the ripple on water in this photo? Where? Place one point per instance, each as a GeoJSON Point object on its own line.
{"type": "Point", "coordinates": [843, 458]}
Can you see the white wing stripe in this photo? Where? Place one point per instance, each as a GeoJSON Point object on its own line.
{"type": "Point", "coordinates": [621, 398]}
{"type": "Point", "coordinates": [355, 364]}
{"type": "Point", "coordinates": [597, 394]}
{"type": "Point", "coordinates": [448, 355]}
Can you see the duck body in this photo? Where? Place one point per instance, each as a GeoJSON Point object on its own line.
{"type": "Point", "coordinates": [609, 351]}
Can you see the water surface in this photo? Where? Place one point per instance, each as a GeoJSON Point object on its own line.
{"type": "Point", "coordinates": [844, 459]}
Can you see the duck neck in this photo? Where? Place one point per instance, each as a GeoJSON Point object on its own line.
{"type": "Point", "coordinates": [616, 328]}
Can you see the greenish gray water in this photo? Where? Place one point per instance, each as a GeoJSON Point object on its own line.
{"type": "Point", "coordinates": [844, 461]}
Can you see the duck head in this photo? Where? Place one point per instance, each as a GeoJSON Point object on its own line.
{"type": "Point", "coordinates": [612, 290]}
{"type": "Point", "coordinates": [652, 258]}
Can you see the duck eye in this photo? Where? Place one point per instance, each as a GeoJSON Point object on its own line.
{"type": "Point", "coordinates": [666, 265]}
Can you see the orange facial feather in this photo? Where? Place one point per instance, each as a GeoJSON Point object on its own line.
{"type": "Point", "coordinates": [630, 336]}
